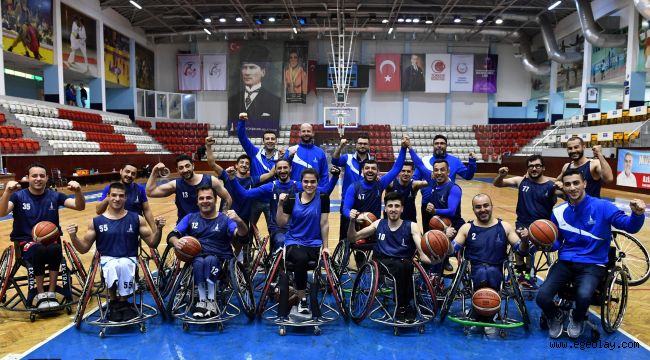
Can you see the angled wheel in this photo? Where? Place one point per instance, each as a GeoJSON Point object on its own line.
{"type": "Point", "coordinates": [634, 257]}
{"type": "Point", "coordinates": [6, 264]}
{"type": "Point", "coordinates": [76, 267]}
{"type": "Point", "coordinates": [340, 257]}
{"type": "Point", "coordinates": [518, 297]}
{"type": "Point", "coordinates": [167, 271]}
{"type": "Point", "coordinates": [241, 283]}
{"type": "Point", "coordinates": [612, 309]}
{"type": "Point", "coordinates": [453, 291]}
{"type": "Point", "coordinates": [86, 292]}
{"type": "Point", "coordinates": [268, 286]}
{"type": "Point", "coordinates": [181, 291]}
{"type": "Point", "coordinates": [425, 292]}
{"type": "Point", "coordinates": [155, 294]}
{"type": "Point", "coordinates": [364, 291]}
{"type": "Point", "coordinates": [335, 285]}
{"type": "Point", "coordinates": [261, 258]}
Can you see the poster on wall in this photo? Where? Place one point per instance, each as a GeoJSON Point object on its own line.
{"type": "Point", "coordinates": [462, 72]}
{"type": "Point", "coordinates": [387, 74]}
{"type": "Point", "coordinates": [485, 73]}
{"type": "Point", "coordinates": [412, 69]}
{"type": "Point", "coordinates": [633, 168]}
{"type": "Point", "coordinates": [254, 79]}
{"type": "Point", "coordinates": [607, 63]}
{"type": "Point", "coordinates": [116, 57]}
{"type": "Point", "coordinates": [437, 73]}
{"type": "Point", "coordinates": [144, 64]}
{"type": "Point", "coordinates": [27, 29]}
{"type": "Point", "coordinates": [539, 85]}
{"type": "Point", "coordinates": [296, 78]}
{"type": "Point", "coordinates": [189, 72]}
{"type": "Point", "coordinates": [79, 40]}
{"type": "Point", "coordinates": [214, 72]}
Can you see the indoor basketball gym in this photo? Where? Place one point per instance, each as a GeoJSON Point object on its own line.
{"type": "Point", "coordinates": [99, 92]}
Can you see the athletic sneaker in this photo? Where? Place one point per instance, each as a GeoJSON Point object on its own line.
{"type": "Point", "coordinates": [523, 281]}
{"type": "Point", "coordinates": [574, 330]}
{"type": "Point", "coordinates": [490, 331]}
{"type": "Point", "coordinates": [448, 266]}
{"type": "Point", "coordinates": [303, 306]}
{"type": "Point", "coordinates": [555, 325]}
{"type": "Point", "coordinates": [114, 311]}
{"type": "Point", "coordinates": [200, 309]}
{"type": "Point", "coordinates": [400, 314]}
{"type": "Point", "coordinates": [42, 301]}
{"type": "Point", "coordinates": [211, 309]}
{"type": "Point", "coordinates": [410, 314]}
{"type": "Point", "coordinates": [129, 311]}
{"type": "Point", "coordinates": [51, 296]}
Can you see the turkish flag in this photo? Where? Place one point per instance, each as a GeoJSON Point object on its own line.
{"type": "Point", "coordinates": [387, 72]}
{"type": "Point", "coordinates": [311, 77]}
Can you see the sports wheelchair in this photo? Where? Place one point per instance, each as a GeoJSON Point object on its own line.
{"type": "Point", "coordinates": [361, 249]}
{"type": "Point", "coordinates": [611, 295]}
{"type": "Point", "coordinates": [98, 289]}
{"type": "Point", "coordinates": [233, 281]}
{"type": "Point", "coordinates": [374, 296]}
{"type": "Point", "coordinates": [633, 256]}
{"type": "Point", "coordinates": [280, 294]}
{"type": "Point", "coordinates": [12, 285]}
{"type": "Point", "coordinates": [462, 289]}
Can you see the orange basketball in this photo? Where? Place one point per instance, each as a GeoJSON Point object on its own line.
{"type": "Point", "coordinates": [365, 219]}
{"type": "Point", "coordinates": [543, 231]}
{"type": "Point", "coordinates": [439, 223]}
{"type": "Point", "coordinates": [45, 232]}
{"type": "Point", "coordinates": [486, 301]}
{"type": "Point", "coordinates": [191, 248]}
{"type": "Point", "coordinates": [435, 242]}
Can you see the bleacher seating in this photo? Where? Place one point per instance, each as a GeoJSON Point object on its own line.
{"type": "Point", "coordinates": [178, 137]}
{"type": "Point", "coordinates": [499, 139]}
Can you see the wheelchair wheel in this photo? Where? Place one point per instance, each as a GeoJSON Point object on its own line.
{"type": "Point", "coordinates": [340, 257]}
{"type": "Point", "coordinates": [167, 271]}
{"type": "Point", "coordinates": [241, 283]}
{"type": "Point", "coordinates": [76, 267]}
{"type": "Point", "coordinates": [268, 287]}
{"type": "Point", "coordinates": [155, 294]}
{"type": "Point", "coordinates": [635, 258]}
{"type": "Point", "coordinates": [180, 293]}
{"type": "Point", "coordinates": [614, 303]}
{"type": "Point", "coordinates": [544, 261]}
{"type": "Point", "coordinates": [261, 258]}
{"type": "Point", "coordinates": [364, 291]}
{"type": "Point", "coordinates": [86, 292]}
{"type": "Point", "coordinates": [518, 297]}
{"type": "Point", "coordinates": [6, 264]}
{"type": "Point", "coordinates": [335, 285]}
{"type": "Point", "coordinates": [425, 293]}
{"type": "Point", "coordinates": [453, 291]}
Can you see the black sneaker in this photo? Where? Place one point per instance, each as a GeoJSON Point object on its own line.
{"type": "Point", "coordinates": [400, 315]}
{"type": "Point", "coordinates": [129, 311]}
{"type": "Point", "coordinates": [410, 314]}
{"type": "Point", "coordinates": [303, 306]}
{"type": "Point", "coordinates": [115, 311]}
{"type": "Point", "coordinates": [199, 310]}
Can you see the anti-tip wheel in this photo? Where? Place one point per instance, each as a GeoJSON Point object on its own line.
{"type": "Point", "coordinates": [32, 317]}
{"type": "Point", "coordinates": [102, 333]}
{"type": "Point", "coordinates": [282, 331]}
{"type": "Point", "coordinates": [421, 329]}
{"type": "Point", "coordinates": [186, 326]}
{"type": "Point", "coordinates": [143, 328]}
{"type": "Point", "coordinates": [220, 327]}
{"type": "Point", "coordinates": [396, 331]}
{"type": "Point", "coordinates": [316, 330]}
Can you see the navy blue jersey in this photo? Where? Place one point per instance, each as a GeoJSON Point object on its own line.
{"type": "Point", "coordinates": [442, 200]}
{"type": "Point", "coordinates": [213, 234]}
{"type": "Point", "coordinates": [240, 205]}
{"type": "Point", "coordinates": [486, 245]}
{"type": "Point", "coordinates": [593, 186]}
{"type": "Point", "coordinates": [535, 201]}
{"type": "Point", "coordinates": [186, 196]}
{"type": "Point", "coordinates": [136, 196]}
{"type": "Point", "coordinates": [408, 198]}
{"type": "Point", "coordinates": [117, 238]}
{"type": "Point", "coordinates": [367, 199]}
{"type": "Point", "coordinates": [398, 243]}
{"type": "Point", "coordinates": [30, 209]}
{"type": "Point", "coordinates": [304, 221]}
{"type": "Point", "coordinates": [278, 188]}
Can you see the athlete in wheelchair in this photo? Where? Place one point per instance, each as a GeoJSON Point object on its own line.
{"type": "Point", "coordinates": [386, 289]}
{"type": "Point", "coordinates": [116, 234]}
{"type": "Point", "coordinates": [485, 259]}
{"type": "Point", "coordinates": [203, 291]}
{"type": "Point", "coordinates": [47, 277]}
{"type": "Point", "coordinates": [305, 249]}
{"type": "Point", "coordinates": [585, 261]}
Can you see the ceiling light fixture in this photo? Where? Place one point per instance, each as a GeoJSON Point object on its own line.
{"type": "Point", "coordinates": [409, 20]}
{"type": "Point", "coordinates": [390, 31]}
{"type": "Point", "coordinates": [207, 31]}
{"type": "Point", "coordinates": [479, 20]}
{"type": "Point", "coordinates": [136, 4]}
{"type": "Point", "coordinates": [554, 4]}
{"type": "Point", "coordinates": [385, 21]}
{"type": "Point", "coordinates": [457, 19]}
{"type": "Point", "coordinates": [416, 20]}
{"type": "Point", "coordinates": [238, 19]}
{"type": "Point", "coordinates": [222, 20]}
{"type": "Point", "coordinates": [428, 21]}
{"type": "Point", "coordinates": [498, 21]}
{"type": "Point", "coordinates": [271, 18]}
{"type": "Point", "coordinates": [207, 20]}
{"type": "Point", "coordinates": [295, 31]}
{"type": "Point", "coordinates": [400, 20]}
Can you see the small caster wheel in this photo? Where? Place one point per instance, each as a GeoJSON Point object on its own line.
{"type": "Point", "coordinates": [421, 329]}
{"type": "Point", "coordinates": [186, 326]}
{"type": "Point", "coordinates": [282, 331]}
{"type": "Point", "coordinates": [503, 334]}
{"type": "Point", "coordinates": [316, 330]}
{"type": "Point", "coordinates": [32, 317]}
{"type": "Point", "coordinates": [68, 310]}
{"type": "Point", "coordinates": [396, 331]}
{"type": "Point", "coordinates": [143, 328]}
{"type": "Point", "coordinates": [220, 327]}
{"type": "Point", "coordinates": [102, 333]}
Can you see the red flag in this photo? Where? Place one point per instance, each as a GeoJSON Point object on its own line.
{"type": "Point", "coordinates": [311, 77]}
{"type": "Point", "coordinates": [387, 72]}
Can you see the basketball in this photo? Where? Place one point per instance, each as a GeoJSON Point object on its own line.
{"type": "Point", "coordinates": [435, 242]}
{"type": "Point", "coordinates": [543, 231]}
{"type": "Point", "coordinates": [45, 232]}
{"type": "Point", "coordinates": [439, 223]}
{"type": "Point", "coordinates": [365, 219]}
{"type": "Point", "coordinates": [486, 301]}
{"type": "Point", "coordinates": [191, 248]}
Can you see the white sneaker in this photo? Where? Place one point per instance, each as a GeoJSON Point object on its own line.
{"type": "Point", "coordinates": [555, 325]}
{"type": "Point", "coordinates": [211, 309]}
{"type": "Point", "coordinates": [490, 331]}
{"type": "Point", "coordinates": [303, 306]}
{"type": "Point", "coordinates": [199, 310]}
{"type": "Point", "coordinates": [52, 299]}
{"type": "Point", "coordinates": [42, 301]}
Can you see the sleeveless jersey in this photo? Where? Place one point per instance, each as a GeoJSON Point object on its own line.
{"type": "Point", "coordinates": [304, 221]}
{"type": "Point", "coordinates": [30, 209]}
{"type": "Point", "coordinates": [486, 245]}
{"type": "Point", "coordinates": [117, 238]}
{"type": "Point", "coordinates": [408, 198]}
{"type": "Point", "coordinates": [593, 186]}
{"type": "Point", "coordinates": [135, 197]}
{"type": "Point", "coordinates": [398, 243]}
{"type": "Point", "coordinates": [368, 200]}
{"type": "Point", "coordinates": [213, 234]}
{"type": "Point", "coordinates": [535, 201]}
{"type": "Point", "coordinates": [186, 196]}
{"type": "Point", "coordinates": [440, 199]}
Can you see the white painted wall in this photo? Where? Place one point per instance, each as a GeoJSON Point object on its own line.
{"type": "Point", "coordinates": [513, 81]}
{"type": "Point", "coordinates": [469, 108]}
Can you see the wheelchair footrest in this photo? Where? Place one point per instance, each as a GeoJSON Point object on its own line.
{"type": "Point", "coordinates": [295, 316]}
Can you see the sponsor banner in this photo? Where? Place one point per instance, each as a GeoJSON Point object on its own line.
{"type": "Point", "coordinates": [485, 73]}
{"type": "Point", "coordinates": [214, 72]}
{"type": "Point", "coordinates": [438, 73]}
{"type": "Point", "coordinates": [462, 72]}
{"type": "Point", "coordinates": [189, 72]}
{"type": "Point", "coordinates": [633, 168]}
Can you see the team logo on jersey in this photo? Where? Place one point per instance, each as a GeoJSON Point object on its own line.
{"type": "Point", "coordinates": [51, 206]}
{"type": "Point", "coordinates": [591, 221]}
{"type": "Point", "coordinates": [137, 199]}
{"type": "Point", "coordinates": [216, 228]}
{"type": "Point", "coordinates": [130, 228]}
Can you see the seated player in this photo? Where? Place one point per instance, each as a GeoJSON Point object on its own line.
{"type": "Point", "coordinates": [30, 206]}
{"type": "Point", "coordinates": [214, 230]}
{"type": "Point", "coordinates": [306, 214]}
{"type": "Point", "coordinates": [486, 246]}
{"type": "Point", "coordinates": [117, 234]}
{"type": "Point", "coordinates": [584, 223]}
{"type": "Point", "coordinates": [397, 242]}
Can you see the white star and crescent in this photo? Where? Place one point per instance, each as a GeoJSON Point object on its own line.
{"type": "Point", "coordinates": [391, 63]}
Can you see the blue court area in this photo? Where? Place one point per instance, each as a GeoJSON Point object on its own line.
{"type": "Point", "coordinates": [241, 339]}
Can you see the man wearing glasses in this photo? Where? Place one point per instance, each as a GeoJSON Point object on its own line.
{"type": "Point", "coordinates": [535, 201]}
